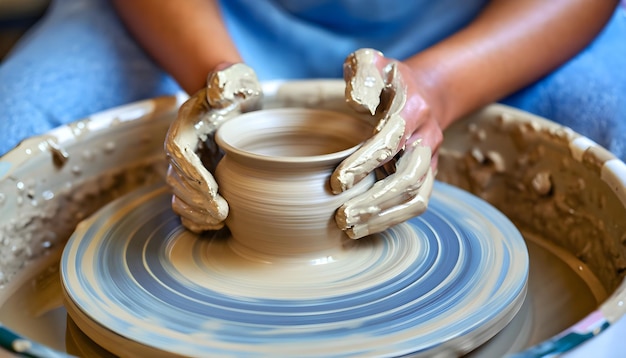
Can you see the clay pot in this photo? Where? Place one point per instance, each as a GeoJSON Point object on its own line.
{"type": "Point", "coordinates": [275, 176]}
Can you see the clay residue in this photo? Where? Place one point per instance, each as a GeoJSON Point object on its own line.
{"type": "Point", "coordinates": [59, 156]}
{"type": "Point", "coordinates": [54, 181]}
{"type": "Point", "coordinates": [365, 88]}
{"type": "Point", "coordinates": [33, 233]}
{"type": "Point", "coordinates": [404, 190]}
{"type": "Point", "coordinates": [364, 82]}
{"type": "Point", "coordinates": [545, 189]}
{"type": "Point", "coordinates": [191, 149]}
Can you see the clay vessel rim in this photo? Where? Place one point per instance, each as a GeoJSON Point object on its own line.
{"type": "Point", "coordinates": [229, 145]}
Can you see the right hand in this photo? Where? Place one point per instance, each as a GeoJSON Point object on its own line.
{"type": "Point", "coordinates": [403, 149]}
{"type": "Point", "coordinates": [229, 92]}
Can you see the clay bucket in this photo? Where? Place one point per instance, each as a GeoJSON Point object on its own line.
{"type": "Point", "coordinates": [275, 176]}
{"type": "Point", "coordinates": [566, 195]}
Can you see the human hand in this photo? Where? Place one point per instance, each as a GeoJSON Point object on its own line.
{"type": "Point", "coordinates": [403, 149]}
{"type": "Point", "coordinates": [191, 149]}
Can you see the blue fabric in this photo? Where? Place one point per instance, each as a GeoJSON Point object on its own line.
{"type": "Point", "coordinates": [76, 61]}
{"type": "Point", "coordinates": [588, 93]}
{"type": "Point", "coordinates": [79, 60]}
{"type": "Point", "coordinates": [311, 38]}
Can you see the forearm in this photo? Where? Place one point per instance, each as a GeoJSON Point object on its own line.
{"type": "Point", "coordinates": [512, 44]}
{"type": "Point", "coordinates": [187, 38]}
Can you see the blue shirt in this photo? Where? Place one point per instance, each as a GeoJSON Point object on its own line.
{"type": "Point", "coordinates": [311, 38]}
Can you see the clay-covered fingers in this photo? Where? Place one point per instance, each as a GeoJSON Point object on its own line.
{"type": "Point", "coordinates": [381, 92]}
{"type": "Point", "coordinates": [392, 200]}
{"type": "Point", "coordinates": [195, 197]}
{"type": "Point", "coordinates": [403, 146]}
{"type": "Point", "coordinates": [198, 212]}
{"type": "Point", "coordinates": [378, 150]}
{"type": "Point", "coordinates": [235, 85]}
{"type": "Point", "coordinates": [196, 200]}
{"type": "Point", "coordinates": [364, 81]}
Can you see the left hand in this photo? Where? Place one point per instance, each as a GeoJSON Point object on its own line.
{"type": "Point", "coordinates": [403, 148]}
{"type": "Point", "coordinates": [230, 90]}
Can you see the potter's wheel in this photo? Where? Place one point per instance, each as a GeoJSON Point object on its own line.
{"type": "Point", "coordinates": [136, 282]}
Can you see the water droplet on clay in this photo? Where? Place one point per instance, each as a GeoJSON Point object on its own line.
{"type": "Point", "coordinates": [77, 128]}
{"type": "Point", "coordinates": [76, 170]}
{"type": "Point", "coordinates": [20, 186]}
{"type": "Point", "coordinates": [109, 147]}
{"type": "Point", "coordinates": [369, 81]}
{"type": "Point", "coordinates": [47, 195]}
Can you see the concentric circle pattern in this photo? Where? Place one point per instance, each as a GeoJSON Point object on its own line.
{"type": "Point", "coordinates": [445, 281]}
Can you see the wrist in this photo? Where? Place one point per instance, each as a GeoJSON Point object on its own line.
{"type": "Point", "coordinates": [434, 90]}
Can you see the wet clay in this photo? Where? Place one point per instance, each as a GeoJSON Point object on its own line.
{"type": "Point", "coordinates": [558, 188]}
{"type": "Point", "coordinates": [527, 170]}
{"type": "Point", "coordinates": [364, 89]}
{"type": "Point", "coordinates": [189, 145]}
{"type": "Point", "coordinates": [551, 182]}
{"type": "Point", "coordinates": [546, 178]}
{"type": "Point", "coordinates": [406, 188]}
{"type": "Point", "coordinates": [327, 299]}
{"type": "Point", "coordinates": [275, 178]}
{"type": "Point", "coordinates": [46, 188]}
{"type": "Point", "coordinates": [559, 295]}
{"type": "Point", "coordinates": [403, 194]}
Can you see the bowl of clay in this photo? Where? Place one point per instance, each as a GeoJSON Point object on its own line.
{"type": "Point", "coordinates": [566, 195]}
